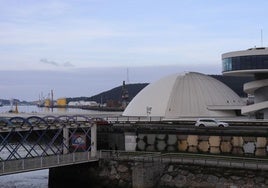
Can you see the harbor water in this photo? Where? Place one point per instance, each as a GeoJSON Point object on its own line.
{"type": "Point", "coordinates": [43, 111]}
{"type": "Point", "coordinates": [34, 179]}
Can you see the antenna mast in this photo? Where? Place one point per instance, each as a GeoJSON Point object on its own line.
{"type": "Point", "coordinates": [261, 39]}
{"type": "Point", "coordinates": [127, 76]}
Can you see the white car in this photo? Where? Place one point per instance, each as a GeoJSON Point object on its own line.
{"type": "Point", "coordinates": [208, 122]}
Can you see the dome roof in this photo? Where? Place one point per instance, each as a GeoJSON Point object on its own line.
{"type": "Point", "coordinates": [185, 95]}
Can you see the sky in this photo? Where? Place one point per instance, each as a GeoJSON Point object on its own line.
{"type": "Point", "coordinates": [84, 47]}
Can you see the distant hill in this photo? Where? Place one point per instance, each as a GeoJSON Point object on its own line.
{"type": "Point", "coordinates": [15, 101]}
{"type": "Point", "coordinates": [235, 83]}
{"type": "Point", "coordinates": [5, 102]}
{"type": "Point", "coordinates": [114, 94]}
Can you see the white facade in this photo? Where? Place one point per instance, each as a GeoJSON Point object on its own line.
{"type": "Point", "coordinates": [185, 95]}
{"type": "Point", "coordinates": [83, 103]}
{"type": "Point", "coordinates": [73, 103]}
{"type": "Point", "coordinates": [88, 103]}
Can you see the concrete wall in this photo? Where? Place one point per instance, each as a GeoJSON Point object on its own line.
{"type": "Point", "coordinates": [235, 145]}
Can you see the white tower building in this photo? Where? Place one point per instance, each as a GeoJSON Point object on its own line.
{"type": "Point", "coordinates": [251, 62]}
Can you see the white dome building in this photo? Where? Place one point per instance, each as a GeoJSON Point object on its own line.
{"type": "Point", "coordinates": [185, 95]}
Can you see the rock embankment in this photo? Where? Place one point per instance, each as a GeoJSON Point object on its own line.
{"type": "Point", "coordinates": [120, 174]}
{"type": "Point", "coordinates": [127, 174]}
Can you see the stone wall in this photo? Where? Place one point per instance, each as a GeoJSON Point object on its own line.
{"type": "Point", "coordinates": [124, 174]}
{"type": "Point", "coordinates": [110, 173]}
{"type": "Point", "coordinates": [235, 145]}
{"type": "Point", "coordinates": [198, 176]}
{"type": "Point", "coordinates": [120, 174]}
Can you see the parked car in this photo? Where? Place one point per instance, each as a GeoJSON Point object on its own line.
{"type": "Point", "coordinates": [209, 122]}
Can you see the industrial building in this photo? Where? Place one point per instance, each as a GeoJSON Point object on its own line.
{"type": "Point", "coordinates": [61, 102]}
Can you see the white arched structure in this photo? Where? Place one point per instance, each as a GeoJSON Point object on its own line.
{"type": "Point", "coordinates": [185, 95]}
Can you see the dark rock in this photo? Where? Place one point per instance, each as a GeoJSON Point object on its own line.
{"type": "Point", "coordinates": [104, 173]}
{"type": "Point", "coordinates": [222, 180]}
{"type": "Point", "coordinates": [166, 178]}
{"type": "Point", "coordinates": [122, 168]}
{"type": "Point", "coordinates": [191, 176]}
{"type": "Point", "coordinates": [121, 183]}
{"type": "Point", "coordinates": [180, 178]}
{"type": "Point", "coordinates": [170, 168]}
{"type": "Point", "coordinates": [113, 171]}
{"type": "Point", "coordinates": [235, 178]}
{"type": "Point", "coordinates": [259, 180]}
{"type": "Point", "coordinates": [212, 179]}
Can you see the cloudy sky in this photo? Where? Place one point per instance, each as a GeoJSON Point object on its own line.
{"type": "Point", "coordinates": [83, 47]}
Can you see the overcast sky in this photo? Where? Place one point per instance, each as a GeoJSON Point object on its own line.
{"type": "Point", "coordinates": [83, 47]}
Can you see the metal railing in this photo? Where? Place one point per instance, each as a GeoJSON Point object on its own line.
{"type": "Point", "coordinates": [128, 119]}
{"type": "Point", "coordinates": [216, 160]}
{"type": "Point", "coordinates": [23, 165]}
{"type": "Point", "coordinates": [30, 164]}
{"type": "Point", "coordinates": [8, 123]}
{"type": "Point", "coordinates": [130, 155]}
{"type": "Point", "coordinates": [188, 158]}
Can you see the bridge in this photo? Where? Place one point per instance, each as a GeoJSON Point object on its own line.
{"type": "Point", "coordinates": [33, 143]}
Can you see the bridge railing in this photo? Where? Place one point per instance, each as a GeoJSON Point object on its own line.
{"type": "Point", "coordinates": [188, 158]}
{"type": "Point", "coordinates": [29, 164]}
{"type": "Point", "coordinates": [216, 160]}
{"type": "Point", "coordinates": [126, 119]}
{"type": "Point", "coordinates": [47, 121]}
{"type": "Point", "coordinates": [130, 155]}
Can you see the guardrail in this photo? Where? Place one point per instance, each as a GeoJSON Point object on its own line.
{"type": "Point", "coordinates": [17, 121]}
{"type": "Point", "coordinates": [182, 121]}
{"type": "Point", "coordinates": [216, 160]}
{"type": "Point", "coordinates": [187, 158]}
{"type": "Point", "coordinates": [30, 164]}
{"type": "Point", "coordinates": [127, 119]}
{"type": "Point", "coordinates": [130, 156]}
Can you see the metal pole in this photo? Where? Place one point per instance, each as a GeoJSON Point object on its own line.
{"type": "Point", "coordinates": [23, 166]}
{"type": "Point", "coordinates": [65, 140]}
{"type": "Point", "coordinates": [41, 162]}
{"type": "Point", "coordinates": [58, 159]}
{"type": "Point", "coordinates": [94, 140]}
